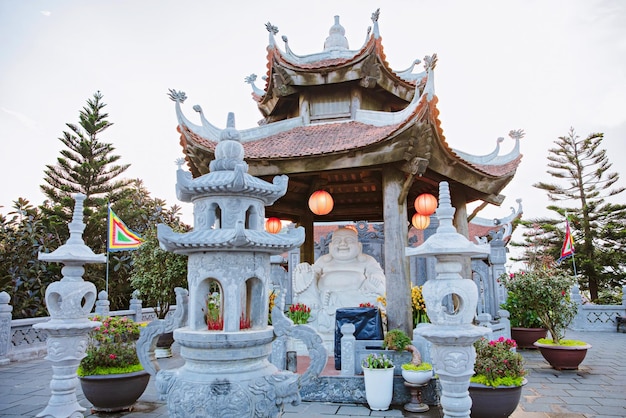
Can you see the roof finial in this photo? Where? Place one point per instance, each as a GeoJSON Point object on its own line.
{"type": "Point", "coordinates": [229, 152]}
{"type": "Point", "coordinates": [273, 30]}
{"type": "Point", "coordinates": [336, 37]}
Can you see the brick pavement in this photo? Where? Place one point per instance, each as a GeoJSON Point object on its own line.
{"type": "Point", "coordinates": [597, 389]}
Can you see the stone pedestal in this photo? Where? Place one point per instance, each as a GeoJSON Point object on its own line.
{"type": "Point", "coordinates": [69, 302]}
{"type": "Point", "coordinates": [451, 302]}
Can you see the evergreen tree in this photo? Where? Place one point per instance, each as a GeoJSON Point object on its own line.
{"type": "Point", "coordinates": [86, 165]}
{"type": "Point", "coordinates": [585, 181]}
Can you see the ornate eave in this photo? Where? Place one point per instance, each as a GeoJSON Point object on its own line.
{"type": "Point", "coordinates": [287, 73]}
{"type": "Point", "coordinates": [232, 239]}
{"type": "Point", "coordinates": [235, 181]}
{"type": "Point", "coordinates": [347, 156]}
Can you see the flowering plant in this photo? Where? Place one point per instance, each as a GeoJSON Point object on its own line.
{"type": "Point", "coordinates": [418, 306]}
{"type": "Point", "coordinates": [111, 347]}
{"type": "Point", "coordinates": [497, 364]}
{"type": "Point", "coordinates": [272, 303]}
{"type": "Point", "coordinates": [299, 313]}
{"type": "Point", "coordinates": [213, 313]}
{"type": "Point", "coordinates": [377, 361]}
{"type": "Point", "coordinates": [545, 290]}
{"type": "Point", "coordinates": [366, 305]}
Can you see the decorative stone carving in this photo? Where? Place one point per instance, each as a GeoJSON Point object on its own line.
{"type": "Point", "coordinates": [226, 371]}
{"type": "Point", "coordinates": [69, 301]}
{"type": "Point", "coordinates": [451, 303]}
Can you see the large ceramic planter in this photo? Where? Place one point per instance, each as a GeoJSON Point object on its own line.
{"type": "Point", "coordinates": [114, 392]}
{"type": "Point", "coordinates": [378, 388]}
{"type": "Point", "coordinates": [562, 357]}
{"type": "Point", "coordinates": [493, 402]}
{"type": "Point", "coordinates": [525, 337]}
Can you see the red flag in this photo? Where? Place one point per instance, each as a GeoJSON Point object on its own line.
{"type": "Point", "coordinates": [567, 250]}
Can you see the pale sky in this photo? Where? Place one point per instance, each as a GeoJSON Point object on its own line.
{"type": "Point", "coordinates": [541, 66]}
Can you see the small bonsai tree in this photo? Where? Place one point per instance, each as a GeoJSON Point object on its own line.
{"type": "Point", "coordinates": [397, 340]}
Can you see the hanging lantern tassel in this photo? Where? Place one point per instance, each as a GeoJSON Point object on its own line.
{"type": "Point", "coordinates": [273, 225]}
{"type": "Point", "coordinates": [321, 202]}
{"type": "Point", "coordinates": [426, 204]}
{"type": "Point", "coordinates": [420, 221]}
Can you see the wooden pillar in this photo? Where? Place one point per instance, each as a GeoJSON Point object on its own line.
{"type": "Point", "coordinates": [399, 313]}
{"type": "Point", "coordinates": [459, 201]}
{"type": "Point", "coordinates": [307, 250]}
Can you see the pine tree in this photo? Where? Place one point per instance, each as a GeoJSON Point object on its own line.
{"type": "Point", "coordinates": [583, 168]}
{"type": "Point", "coordinates": [87, 165]}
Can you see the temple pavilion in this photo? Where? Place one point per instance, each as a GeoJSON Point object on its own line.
{"type": "Point", "coordinates": [343, 121]}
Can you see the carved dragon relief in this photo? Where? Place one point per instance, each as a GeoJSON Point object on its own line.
{"type": "Point", "coordinates": [417, 156]}
{"type": "Point", "coordinates": [282, 82]}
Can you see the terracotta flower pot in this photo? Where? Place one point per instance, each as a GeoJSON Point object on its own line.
{"type": "Point", "coordinates": [114, 392]}
{"type": "Point", "coordinates": [525, 337]}
{"type": "Point", "coordinates": [563, 357]}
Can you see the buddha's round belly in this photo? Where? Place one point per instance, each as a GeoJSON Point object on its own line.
{"type": "Point", "coordinates": [340, 280]}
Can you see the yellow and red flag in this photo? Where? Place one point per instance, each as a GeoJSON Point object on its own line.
{"type": "Point", "coordinates": [119, 236]}
{"type": "Point", "coordinates": [567, 249]}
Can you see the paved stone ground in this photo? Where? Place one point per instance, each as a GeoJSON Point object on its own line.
{"type": "Point", "coordinates": [597, 389]}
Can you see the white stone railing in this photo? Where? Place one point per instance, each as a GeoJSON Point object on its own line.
{"type": "Point", "coordinates": [19, 341]}
{"type": "Point", "coordinates": [597, 317]}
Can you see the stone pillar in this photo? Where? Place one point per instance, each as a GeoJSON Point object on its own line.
{"type": "Point", "coordinates": [136, 306]}
{"type": "Point", "coordinates": [451, 304]}
{"type": "Point", "coordinates": [69, 302]}
{"type": "Point", "coordinates": [103, 304]}
{"type": "Point", "coordinates": [5, 327]}
{"type": "Point", "coordinates": [497, 259]}
{"type": "Point", "coordinates": [396, 266]}
{"type": "Point", "coordinates": [347, 349]}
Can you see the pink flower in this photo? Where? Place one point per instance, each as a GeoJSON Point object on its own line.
{"type": "Point", "coordinates": [112, 356]}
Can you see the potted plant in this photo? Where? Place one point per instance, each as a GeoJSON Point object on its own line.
{"type": "Point", "coordinates": [111, 376]}
{"type": "Point", "coordinates": [156, 273]}
{"type": "Point", "coordinates": [378, 376]}
{"type": "Point", "coordinates": [547, 292]}
{"type": "Point", "coordinates": [526, 327]}
{"type": "Point", "coordinates": [496, 386]}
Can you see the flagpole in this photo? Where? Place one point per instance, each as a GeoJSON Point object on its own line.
{"type": "Point", "coordinates": [106, 283]}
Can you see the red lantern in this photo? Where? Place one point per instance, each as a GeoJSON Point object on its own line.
{"type": "Point", "coordinates": [321, 202]}
{"type": "Point", "coordinates": [273, 225]}
{"type": "Point", "coordinates": [420, 221]}
{"type": "Point", "coordinates": [426, 204]}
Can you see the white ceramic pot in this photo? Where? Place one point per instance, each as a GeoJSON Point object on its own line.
{"type": "Point", "coordinates": [417, 377]}
{"type": "Point", "coordinates": [378, 388]}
